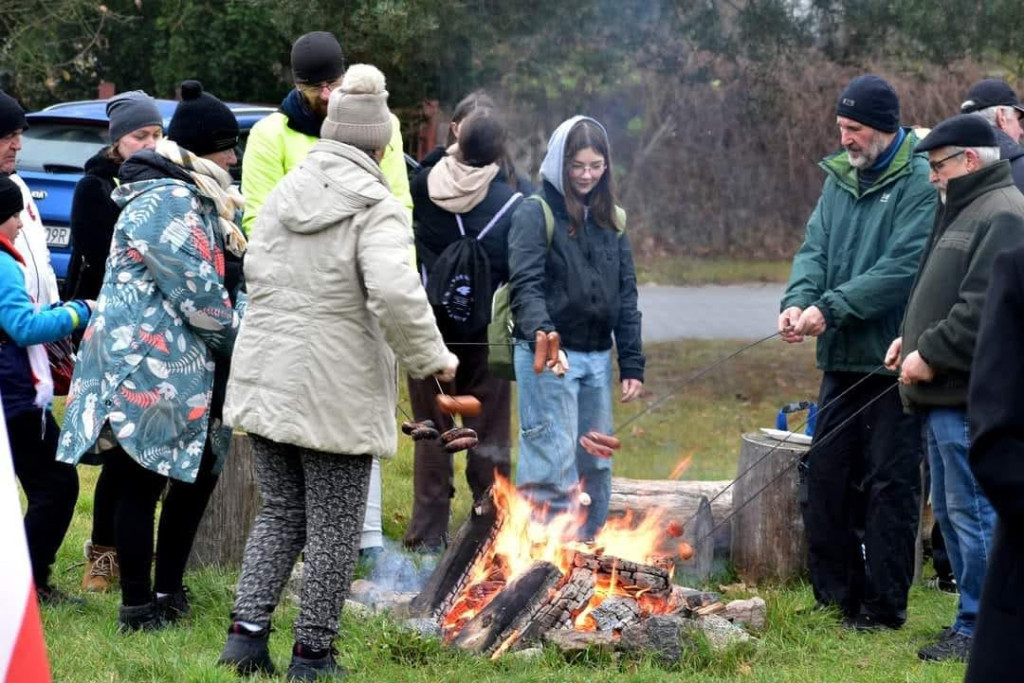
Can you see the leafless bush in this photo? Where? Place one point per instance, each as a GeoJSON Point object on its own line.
{"type": "Point", "coordinates": [727, 164]}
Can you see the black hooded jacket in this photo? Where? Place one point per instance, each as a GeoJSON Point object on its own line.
{"type": "Point", "coordinates": [93, 214]}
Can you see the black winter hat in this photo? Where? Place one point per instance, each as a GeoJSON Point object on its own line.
{"type": "Point", "coordinates": [962, 130]}
{"type": "Point", "coordinates": [317, 58]}
{"type": "Point", "coordinates": [991, 92]}
{"type": "Point", "coordinates": [871, 101]}
{"type": "Point", "coordinates": [202, 124]}
{"type": "Point", "coordinates": [11, 201]}
{"type": "Point", "coordinates": [12, 116]}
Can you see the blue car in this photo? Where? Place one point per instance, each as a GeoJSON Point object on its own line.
{"type": "Point", "coordinates": [58, 142]}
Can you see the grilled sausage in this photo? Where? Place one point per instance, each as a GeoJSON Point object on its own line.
{"type": "Point", "coordinates": [462, 444]}
{"type": "Point", "coordinates": [459, 405]}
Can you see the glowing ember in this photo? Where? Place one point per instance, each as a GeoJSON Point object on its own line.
{"type": "Point", "coordinates": [525, 536]}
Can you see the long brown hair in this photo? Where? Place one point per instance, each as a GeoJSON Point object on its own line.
{"type": "Point", "coordinates": [479, 100]}
{"type": "Point", "coordinates": [600, 200]}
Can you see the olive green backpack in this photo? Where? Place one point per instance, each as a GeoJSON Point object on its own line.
{"type": "Point", "coordinates": [499, 330]}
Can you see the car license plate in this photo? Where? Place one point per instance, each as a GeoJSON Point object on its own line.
{"type": "Point", "coordinates": [58, 237]}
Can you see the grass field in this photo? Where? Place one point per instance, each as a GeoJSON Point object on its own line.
{"type": "Point", "coordinates": [692, 271]}
{"type": "Point", "coordinates": [704, 419]}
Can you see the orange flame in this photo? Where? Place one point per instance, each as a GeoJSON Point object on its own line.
{"type": "Point", "coordinates": [681, 467]}
{"type": "Point", "coordinates": [525, 535]}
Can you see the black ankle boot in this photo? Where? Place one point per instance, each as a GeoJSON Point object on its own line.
{"type": "Point", "coordinates": [175, 606]}
{"type": "Point", "coordinates": [247, 651]}
{"type": "Point", "coordinates": [308, 664]}
{"type": "Point", "coordinates": [140, 618]}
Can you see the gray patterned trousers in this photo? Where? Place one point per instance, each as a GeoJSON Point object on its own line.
{"type": "Point", "coordinates": [311, 500]}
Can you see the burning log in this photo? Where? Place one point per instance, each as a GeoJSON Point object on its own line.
{"type": "Point", "coordinates": [615, 612]}
{"type": "Point", "coordinates": [632, 577]}
{"type": "Point", "coordinates": [510, 612]}
{"type": "Point", "coordinates": [475, 536]}
{"type": "Point", "coordinates": [575, 592]}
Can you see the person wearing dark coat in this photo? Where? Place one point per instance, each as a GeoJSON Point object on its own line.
{"type": "Point", "coordinates": [996, 102]}
{"type": "Point", "coordinates": [996, 416]}
{"type": "Point", "coordinates": [135, 124]}
{"type": "Point", "coordinates": [982, 215]}
{"type": "Point", "coordinates": [465, 185]}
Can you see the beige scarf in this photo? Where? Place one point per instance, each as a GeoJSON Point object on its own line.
{"type": "Point", "coordinates": [458, 187]}
{"type": "Point", "coordinates": [216, 184]}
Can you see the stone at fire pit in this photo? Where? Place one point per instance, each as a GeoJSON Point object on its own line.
{"type": "Point", "coordinates": [615, 612]}
{"type": "Point", "coordinates": [721, 633]}
{"type": "Point", "coordinates": [749, 613]}
{"type": "Point", "coordinates": [665, 636]}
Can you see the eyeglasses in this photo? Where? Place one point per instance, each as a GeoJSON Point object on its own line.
{"type": "Point", "coordinates": [937, 165]}
{"type": "Point", "coordinates": [595, 168]}
{"type": "Point", "coordinates": [318, 88]}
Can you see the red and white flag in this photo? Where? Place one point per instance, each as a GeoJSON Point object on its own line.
{"type": "Point", "coordinates": [22, 648]}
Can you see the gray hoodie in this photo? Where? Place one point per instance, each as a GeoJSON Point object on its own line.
{"type": "Point", "coordinates": [551, 169]}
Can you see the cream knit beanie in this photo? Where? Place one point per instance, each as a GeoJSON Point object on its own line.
{"type": "Point", "coordinates": [357, 113]}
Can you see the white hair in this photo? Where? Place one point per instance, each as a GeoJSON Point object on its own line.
{"type": "Point", "coordinates": [986, 155]}
{"type": "Point", "coordinates": [989, 113]}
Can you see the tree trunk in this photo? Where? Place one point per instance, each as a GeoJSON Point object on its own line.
{"type": "Point", "coordinates": [768, 539]}
{"type": "Point", "coordinates": [230, 514]}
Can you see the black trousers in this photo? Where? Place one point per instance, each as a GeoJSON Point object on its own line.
{"type": "Point", "coordinates": [863, 489]}
{"type": "Point", "coordinates": [433, 469]}
{"type": "Point", "coordinates": [137, 491]}
{"type": "Point", "coordinates": [104, 505]}
{"type": "Point", "coordinates": [51, 487]}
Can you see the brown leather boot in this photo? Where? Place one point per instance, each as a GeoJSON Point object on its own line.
{"type": "Point", "coordinates": [101, 568]}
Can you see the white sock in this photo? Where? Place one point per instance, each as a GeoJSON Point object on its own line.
{"type": "Point", "coordinates": [162, 595]}
{"type": "Point", "coordinates": [249, 626]}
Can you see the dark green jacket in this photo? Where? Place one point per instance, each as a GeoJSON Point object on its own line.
{"type": "Point", "coordinates": [859, 256]}
{"type": "Point", "coordinates": [983, 216]}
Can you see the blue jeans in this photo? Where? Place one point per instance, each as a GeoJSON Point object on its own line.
{"type": "Point", "coordinates": [964, 514]}
{"type": "Point", "coordinates": [553, 413]}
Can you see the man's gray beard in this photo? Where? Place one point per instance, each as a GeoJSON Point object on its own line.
{"type": "Point", "coordinates": [868, 157]}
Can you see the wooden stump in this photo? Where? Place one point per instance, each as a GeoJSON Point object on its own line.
{"type": "Point", "coordinates": [680, 498]}
{"type": "Point", "coordinates": [230, 514]}
{"type": "Point", "coordinates": [768, 539]}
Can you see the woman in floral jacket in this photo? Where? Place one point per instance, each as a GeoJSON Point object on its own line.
{"type": "Point", "coordinates": [145, 378]}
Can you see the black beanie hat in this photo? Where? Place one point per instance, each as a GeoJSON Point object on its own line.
{"type": "Point", "coordinates": [12, 116]}
{"type": "Point", "coordinates": [317, 58]}
{"type": "Point", "coordinates": [202, 124]}
{"type": "Point", "coordinates": [11, 201]}
{"type": "Point", "coordinates": [871, 101]}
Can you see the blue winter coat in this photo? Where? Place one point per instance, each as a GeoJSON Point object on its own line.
{"type": "Point", "coordinates": [21, 325]}
{"type": "Point", "coordinates": [146, 363]}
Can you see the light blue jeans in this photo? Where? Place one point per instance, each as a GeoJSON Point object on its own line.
{"type": "Point", "coordinates": [553, 413]}
{"type": "Point", "coordinates": [965, 516]}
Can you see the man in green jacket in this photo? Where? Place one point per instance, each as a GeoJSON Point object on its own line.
{"type": "Point", "coordinates": [280, 141]}
{"type": "Point", "coordinates": [982, 215]}
{"type": "Point", "coordinates": [848, 288]}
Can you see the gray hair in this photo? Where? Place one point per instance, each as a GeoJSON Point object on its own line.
{"type": "Point", "coordinates": [986, 155]}
{"type": "Point", "coordinates": [989, 113]}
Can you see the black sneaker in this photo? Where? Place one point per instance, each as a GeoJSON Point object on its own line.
{"type": "Point", "coordinates": [53, 597]}
{"type": "Point", "coordinates": [950, 647]}
{"type": "Point", "coordinates": [140, 618]}
{"type": "Point", "coordinates": [867, 622]}
{"type": "Point", "coordinates": [309, 665]}
{"type": "Point", "coordinates": [248, 652]}
{"type": "Point", "coordinates": [175, 606]}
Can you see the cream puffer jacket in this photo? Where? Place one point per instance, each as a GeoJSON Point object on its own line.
{"type": "Point", "coordinates": [331, 293]}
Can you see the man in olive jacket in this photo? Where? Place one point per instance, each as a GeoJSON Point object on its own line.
{"type": "Point", "coordinates": [982, 215]}
{"type": "Point", "coordinates": [848, 288]}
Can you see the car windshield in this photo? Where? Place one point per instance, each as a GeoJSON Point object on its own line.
{"type": "Point", "coordinates": [60, 147]}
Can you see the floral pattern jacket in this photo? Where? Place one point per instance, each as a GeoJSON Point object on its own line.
{"type": "Point", "coordinates": [146, 363]}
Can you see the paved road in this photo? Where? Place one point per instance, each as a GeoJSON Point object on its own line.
{"type": "Point", "coordinates": [711, 312]}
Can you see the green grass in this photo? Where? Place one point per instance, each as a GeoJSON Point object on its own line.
{"type": "Point", "coordinates": [704, 419]}
{"type": "Point", "coordinates": [665, 270]}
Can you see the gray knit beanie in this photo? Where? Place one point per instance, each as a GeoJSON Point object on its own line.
{"type": "Point", "coordinates": [357, 113]}
{"type": "Point", "coordinates": [130, 111]}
